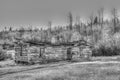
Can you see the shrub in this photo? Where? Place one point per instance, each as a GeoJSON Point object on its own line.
{"type": "Point", "coordinates": [3, 56]}
{"type": "Point", "coordinates": [106, 51]}
{"type": "Point", "coordinates": [109, 46]}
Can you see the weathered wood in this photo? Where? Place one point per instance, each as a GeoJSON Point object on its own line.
{"type": "Point", "coordinates": [24, 54]}
{"type": "Point", "coordinates": [69, 54]}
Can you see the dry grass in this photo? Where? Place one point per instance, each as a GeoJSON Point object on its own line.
{"type": "Point", "coordinates": [75, 71]}
{"type": "Point", "coordinates": [110, 71]}
{"type": "Point", "coordinates": [85, 72]}
{"type": "Point", "coordinates": [7, 63]}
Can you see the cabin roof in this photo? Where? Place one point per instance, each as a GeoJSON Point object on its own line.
{"type": "Point", "coordinates": [74, 43]}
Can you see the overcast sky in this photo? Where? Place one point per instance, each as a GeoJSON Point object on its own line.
{"type": "Point", "coordinates": [39, 12]}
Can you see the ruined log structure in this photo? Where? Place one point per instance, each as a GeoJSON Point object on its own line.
{"type": "Point", "coordinates": [32, 52]}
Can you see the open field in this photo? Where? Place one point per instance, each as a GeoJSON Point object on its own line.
{"type": "Point", "coordinates": [100, 68]}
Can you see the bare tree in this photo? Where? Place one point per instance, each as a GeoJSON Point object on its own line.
{"type": "Point", "coordinates": [115, 17]}
{"type": "Point", "coordinates": [101, 15]}
{"type": "Point", "coordinates": [70, 18]}
{"type": "Point", "coordinates": [78, 24]}
{"type": "Point", "coordinates": [49, 31]}
{"type": "Point", "coordinates": [91, 26]}
{"type": "Point", "coordinates": [95, 20]}
{"type": "Point", "coordinates": [10, 29]}
{"type": "Point", "coordinates": [78, 20]}
{"type": "Point", "coordinates": [50, 25]}
{"type": "Point", "coordinates": [5, 29]}
{"type": "Point", "coordinates": [91, 22]}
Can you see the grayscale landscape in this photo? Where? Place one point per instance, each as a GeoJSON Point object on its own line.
{"type": "Point", "coordinates": [59, 40]}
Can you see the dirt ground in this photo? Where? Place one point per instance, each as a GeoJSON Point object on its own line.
{"type": "Point", "coordinates": [100, 68]}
